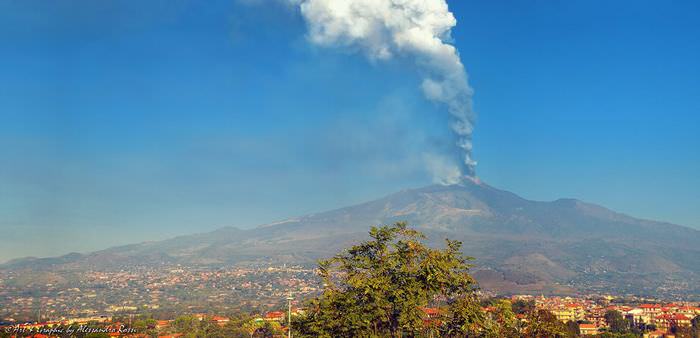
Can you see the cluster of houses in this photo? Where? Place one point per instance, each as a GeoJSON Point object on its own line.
{"type": "Point", "coordinates": [49, 329]}
{"type": "Point", "coordinates": [588, 312]}
{"type": "Point", "coordinates": [663, 317]}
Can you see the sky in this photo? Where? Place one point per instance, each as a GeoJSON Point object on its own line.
{"type": "Point", "coordinates": [131, 121]}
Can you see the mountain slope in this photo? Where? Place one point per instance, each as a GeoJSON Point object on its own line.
{"type": "Point", "coordinates": [520, 245]}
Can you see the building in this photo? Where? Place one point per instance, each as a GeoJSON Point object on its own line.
{"type": "Point", "coordinates": [276, 316]}
{"type": "Point", "coordinates": [667, 321]}
{"type": "Point", "coordinates": [589, 329]}
{"type": "Point", "coordinates": [218, 320]}
{"type": "Point", "coordinates": [564, 314]}
{"type": "Point", "coordinates": [162, 324]}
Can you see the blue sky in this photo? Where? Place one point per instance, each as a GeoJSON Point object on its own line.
{"type": "Point", "coordinates": [125, 121]}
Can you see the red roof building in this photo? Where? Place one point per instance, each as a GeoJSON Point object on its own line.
{"type": "Point", "coordinates": [221, 321]}
{"type": "Point", "coordinates": [588, 329]}
{"type": "Point", "coordinates": [162, 323]}
{"type": "Point", "coordinates": [667, 321]}
{"type": "Point", "coordinates": [274, 316]}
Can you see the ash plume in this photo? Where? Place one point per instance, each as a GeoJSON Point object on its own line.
{"type": "Point", "coordinates": [415, 29]}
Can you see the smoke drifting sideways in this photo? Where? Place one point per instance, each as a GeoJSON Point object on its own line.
{"type": "Point", "coordinates": [415, 29]}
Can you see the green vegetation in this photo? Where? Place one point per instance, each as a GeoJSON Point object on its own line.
{"type": "Point", "coordinates": [692, 331]}
{"type": "Point", "coordinates": [392, 285]}
{"type": "Point", "coordinates": [573, 329]}
{"type": "Point", "coordinates": [523, 307]}
{"type": "Point", "coordinates": [616, 322]}
{"type": "Point", "coordinates": [618, 326]}
{"type": "Point", "coordinates": [237, 327]}
{"type": "Point", "coordinates": [383, 287]}
{"type": "Point", "coordinates": [380, 287]}
{"type": "Point", "coordinates": [542, 323]}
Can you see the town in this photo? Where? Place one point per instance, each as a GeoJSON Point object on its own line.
{"type": "Point", "coordinates": [587, 316]}
{"type": "Point", "coordinates": [172, 301]}
{"type": "Point", "coordinates": [159, 291]}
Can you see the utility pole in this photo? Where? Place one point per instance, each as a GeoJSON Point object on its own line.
{"type": "Point", "coordinates": [289, 318]}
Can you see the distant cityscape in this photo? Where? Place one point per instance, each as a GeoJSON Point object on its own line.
{"type": "Point", "coordinates": [164, 292]}
{"type": "Point", "coordinates": [128, 303]}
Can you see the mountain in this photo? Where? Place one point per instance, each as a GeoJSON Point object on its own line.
{"type": "Point", "coordinates": [562, 246]}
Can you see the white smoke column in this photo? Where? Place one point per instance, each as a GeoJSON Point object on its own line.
{"type": "Point", "coordinates": [419, 29]}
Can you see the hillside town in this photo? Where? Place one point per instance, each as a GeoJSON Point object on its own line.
{"type": "Point", "coordinates": [652, 319]}
{"type": "Point", "coordinates": [169, 302]}
{"type": "Point", "coordinates": [589, 316]}
{"type": "Point", "coordinates": [164, 292]}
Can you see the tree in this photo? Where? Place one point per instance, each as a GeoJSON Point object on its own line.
{"type": "Point", "coordinates": [682, 331]}
{"type": "Point", "coordinates": [259, 328]}
{"type": "Point", "coordinates": [239, 326]}
{"type": "Point", "coordinates": [465, 317]}
{"type": "Point", "coordinates": [193, 327]}
{"type": "Point", "coordinates": [379, 287]}
{"type": "Point", "coordinates": [97, 335]}
{"type": "Point", "coordinates": [696, 326]}
{"type": "Point", "coordinates": [145, 326]}
{"type": "Point", "coordinates": [501, 321]}
{"type": "Point", "coordinates": [618, 335]}
{"type": "Point", "coordinates": [573, 329]}
{"type": "Point", "coordinates": [188, 325]}
{"type": "Point", "coordinates": [616, 322]}
{"type": "Point", "coordinates": [521, 306]}
{"type": "Point", "coordinates": [543, 324]}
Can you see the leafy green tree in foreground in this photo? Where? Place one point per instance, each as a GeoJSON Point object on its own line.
{"type": "Point", "coordinates": [502, 321]}
{"type": "Point", "coordinates": [380, 287]}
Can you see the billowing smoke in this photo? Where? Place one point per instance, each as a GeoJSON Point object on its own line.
{"type": "Point", "coordinates": [417, 29]}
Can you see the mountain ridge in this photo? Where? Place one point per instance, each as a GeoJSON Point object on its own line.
{"type": "Point", "coordinates": [563, 245]}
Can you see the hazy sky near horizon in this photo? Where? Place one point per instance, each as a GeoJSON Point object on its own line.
{"type": "Point", "coordinates": [126, 121]}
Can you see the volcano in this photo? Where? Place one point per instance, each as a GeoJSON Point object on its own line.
{"type": "Point", "coordinates": [519, 245]}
